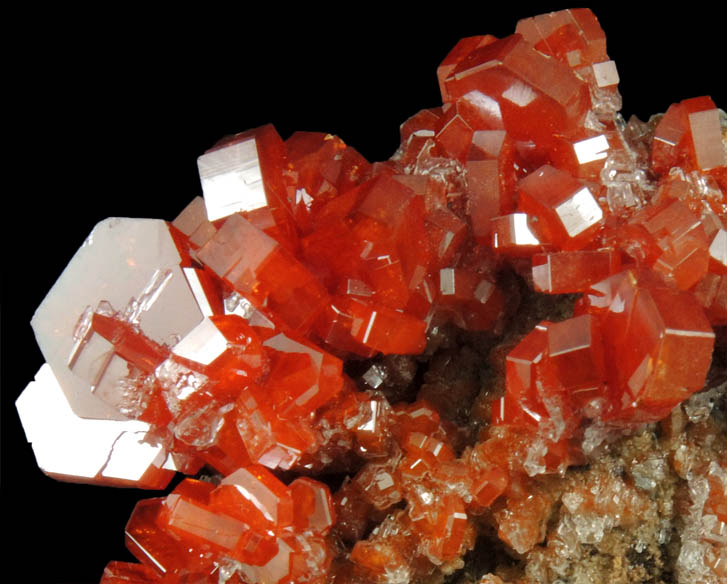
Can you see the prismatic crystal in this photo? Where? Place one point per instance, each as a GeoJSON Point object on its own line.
{"type": "Point", "coordinates": [502, 337]}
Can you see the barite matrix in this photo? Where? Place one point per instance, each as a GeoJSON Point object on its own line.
{"type": "Point", "coordinates": [297, 322]}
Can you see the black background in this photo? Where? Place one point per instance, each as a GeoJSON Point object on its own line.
{"type": "Point", "coordinates": [110, 112]}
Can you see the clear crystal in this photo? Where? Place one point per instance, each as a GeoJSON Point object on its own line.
{"type": "Point", "coordinates": [649, 473]}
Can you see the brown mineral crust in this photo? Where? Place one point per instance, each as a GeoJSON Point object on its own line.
{"type": "Point", "coordinates": [452, 381]}
{"type": "Point", "coordinates": [631, 503]}
{"type": "Point", "coordinates": [635, 484]}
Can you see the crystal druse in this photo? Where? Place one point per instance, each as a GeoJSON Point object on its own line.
{"type": "Point", "coordinates": [502, 334]}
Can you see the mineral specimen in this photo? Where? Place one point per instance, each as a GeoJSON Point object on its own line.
{"type": "Point", "coordinates": [316, 317]}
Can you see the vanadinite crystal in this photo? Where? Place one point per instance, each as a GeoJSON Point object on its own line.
{"type": "Point", "coordinates": [489, 358]}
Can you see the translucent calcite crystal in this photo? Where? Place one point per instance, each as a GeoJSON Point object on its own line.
{"type": "Point", "coordinates": [367, 368]}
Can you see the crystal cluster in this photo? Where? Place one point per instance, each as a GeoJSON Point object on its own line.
{"type": "Point", "coordinates": [280, 327]}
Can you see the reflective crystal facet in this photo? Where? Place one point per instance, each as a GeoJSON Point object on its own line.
{"type": "Point", "coordinates": [66, 446]}
{"type": "Point", "coordinates": [116, 264]}
{"type": "Point", "coordinates": [506, 330]}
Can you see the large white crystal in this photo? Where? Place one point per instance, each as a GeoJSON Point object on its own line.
{"type": "Point", "coordinates": [72, 448]}
{"type": "Point", "coordinates": [128, 265]}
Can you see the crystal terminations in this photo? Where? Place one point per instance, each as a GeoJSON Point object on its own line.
{"type": "Point", "coordinates": [304, 255]}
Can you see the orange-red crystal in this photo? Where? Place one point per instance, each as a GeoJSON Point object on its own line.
{"type": "Point", "coordinates": [349, 260]}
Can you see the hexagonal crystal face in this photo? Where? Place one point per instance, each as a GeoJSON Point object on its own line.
{"type": "Point", "coordinates": [95, 451]}
{"type": "Point", "coordinates": [127, 267]}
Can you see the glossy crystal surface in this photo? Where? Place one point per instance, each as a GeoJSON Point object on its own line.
{"type": "Point", "coordinates": [318, 316]}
